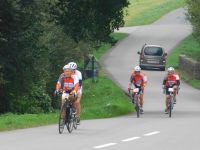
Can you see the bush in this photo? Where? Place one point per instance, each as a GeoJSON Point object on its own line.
{"type": "Point", "coordinates": [35, 102]}
{"type": "Point", "coordinates": [194, 15]}
{"type": "Point", "coordinates": [39, 101]}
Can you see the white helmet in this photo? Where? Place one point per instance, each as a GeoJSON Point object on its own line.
{"type": "Point", "coordinates": [67, 67]}
{"type": "Point", "coordinates": [171, 69]}
{"type": "Point", "coordinates": [73, 65]}
{"type": "Point", "coordinates": [137, 69]}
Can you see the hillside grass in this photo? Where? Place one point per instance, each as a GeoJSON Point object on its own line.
{"type": "Point", "coordinates": [191, 48]}
{"type": "Point", "coordinates": [142, 12]}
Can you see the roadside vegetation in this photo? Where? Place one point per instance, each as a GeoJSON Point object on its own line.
{"type": "Point", "coordinates": [191, 48]}
{"type": "Point", "coordinates": [37, 38]}
{"type": "Point", "coordinates": [102, 99]}
{"type": "Point", "coordinates": [142, 12]}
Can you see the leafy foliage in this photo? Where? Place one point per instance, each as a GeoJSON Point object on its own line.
{"type": "Point", "coordinates": [91, 20]}
{"type": "Point", "coordinates": [194, 16]}
{"type": "Point", "coordinates": [38, 37]}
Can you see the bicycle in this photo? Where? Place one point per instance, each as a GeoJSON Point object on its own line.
{"type": "Point", "coordinates": [171, 101]}
{"type": "Point", "coordinates": [67, 116]}
{"type": "Point", "coordinates": [135, 96]}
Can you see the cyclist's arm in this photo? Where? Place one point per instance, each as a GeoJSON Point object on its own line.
{"type": "Point", "coordinates": [178, 80]}
{"type": "Point", "coordinates": [59, 82]}
{"type": "Point", "coordinates": [80, 78]}
{"type": "Point", "coordinates": [131, 81]}
{"type": "Point", "coordinates": [76, 83]}
{"type": "Point", "coordinates": [164, 81]}
{"type": "Point", "coordinates": [145, 80]}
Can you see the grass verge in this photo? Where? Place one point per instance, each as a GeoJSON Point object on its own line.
{"type": "Point", "coordinates": [142, 12]}
{"type": "Point", "coordinates": [191, 48]}
{"type": "Point", "coordinates": [11, 121]}
{"type": "Point", "coordinates": [102, 99]}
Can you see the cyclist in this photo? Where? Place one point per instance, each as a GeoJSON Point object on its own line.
{"type": "Point", "coordinates": [171, 80]}
{"type": "Point", "coordinates": [138, 80]}
{"type": "Point", "coordinates": [68, 83]}
{"type": "Point", "coordinates": [73, 66]}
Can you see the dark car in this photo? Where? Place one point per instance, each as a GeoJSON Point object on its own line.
{"type": "Point", "coordinates": [152, 56]}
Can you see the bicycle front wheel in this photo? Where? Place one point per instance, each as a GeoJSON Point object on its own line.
{"type": "Point", "coordinates": [62, 119]}
{"type": "Point", "coordinates": [69, 122]}
{"type": "Point", "coordinates": [75, 122]}
{"type": "Point", "coordinates": [137, 107]}
{"type": "Point", "coordinates": [170, 108]}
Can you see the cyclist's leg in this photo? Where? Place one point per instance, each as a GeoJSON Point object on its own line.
{"type": "Point", "coordinates": [175, 92]}
{"type": "Point", "coordinates": [142, 98]}
{"type": "Point", "coordinates": [62, 102]}
{"type": "Point", "coordinates": [77, 104]}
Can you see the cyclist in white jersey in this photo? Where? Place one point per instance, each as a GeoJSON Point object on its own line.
{"type": "Point", "coordinates": [73, 65]}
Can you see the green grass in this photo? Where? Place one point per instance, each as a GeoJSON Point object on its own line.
{"type": "Point", "coordinates": [11, 121]}
{"type": "Point", "coordinates": [105, 46]}
{"type": "Point", "coordinates": [102, 99]}
{"type": "Point", "coordinates": [142, 12]}
{"type": "Point", "coordinates": [191, 48]}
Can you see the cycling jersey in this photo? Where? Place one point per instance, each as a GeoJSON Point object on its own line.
{"type": "Point", "coordinates": [79, 75]}
{"type": "Point", "coordinates": [170, 80]}
{"type": "Point", "coordinates": [138, 80]}
{"type": "Point", "coordinates": [68, 83]}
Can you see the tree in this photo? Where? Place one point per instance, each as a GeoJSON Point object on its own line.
{"type": "Point", "coordinates": [194, 16]}
{"type": "Point", "coordinates": [90, 20]}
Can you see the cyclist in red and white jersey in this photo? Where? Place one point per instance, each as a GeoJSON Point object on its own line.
{"type": "Point", "coordinates": [76, 72]}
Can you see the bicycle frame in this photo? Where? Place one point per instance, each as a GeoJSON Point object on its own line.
{"type": "Point", "coordinates": [135, 96]}
{"type": "Point", "coordinates": [171, 100]}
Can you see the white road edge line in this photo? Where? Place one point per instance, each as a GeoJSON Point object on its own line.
{"type": "Point", "coordinates": [152, 133]}
{"type": "Point", "coordinates": [105, 145]}
{"type": "Point", "coordinates": [131, 139]}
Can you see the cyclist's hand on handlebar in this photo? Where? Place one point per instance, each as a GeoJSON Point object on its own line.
{"type": "Point", "coordinates": [73, 93]}
{"type": "Point", "coordinates": [129, 89]}
{"type": "Point", "coordinates": [56, 92]}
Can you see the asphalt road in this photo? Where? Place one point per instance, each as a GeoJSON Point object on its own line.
{"type": "Point", "coordinates": [154, 130]}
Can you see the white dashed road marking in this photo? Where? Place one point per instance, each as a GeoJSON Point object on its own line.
{"type": "Point", "coordinates": [125, 140]}
{"type": "Point", "coordinates": [105, 145]}
{"type": "Point", "coordinates": [131, 139]}
{"type": "Point", "coordinates": [152, 133]}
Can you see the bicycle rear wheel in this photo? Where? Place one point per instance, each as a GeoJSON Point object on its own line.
{"type": "Point", "coordinates": [62, 119]}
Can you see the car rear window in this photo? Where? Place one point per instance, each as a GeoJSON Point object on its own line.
{"type": "Point", "coordinates": [153, 51]}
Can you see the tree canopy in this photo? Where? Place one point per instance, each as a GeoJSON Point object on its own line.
{"type": "Point", "coordinates": [194, 16]}
{"type": "Point", "coordinates": [38, 37]}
